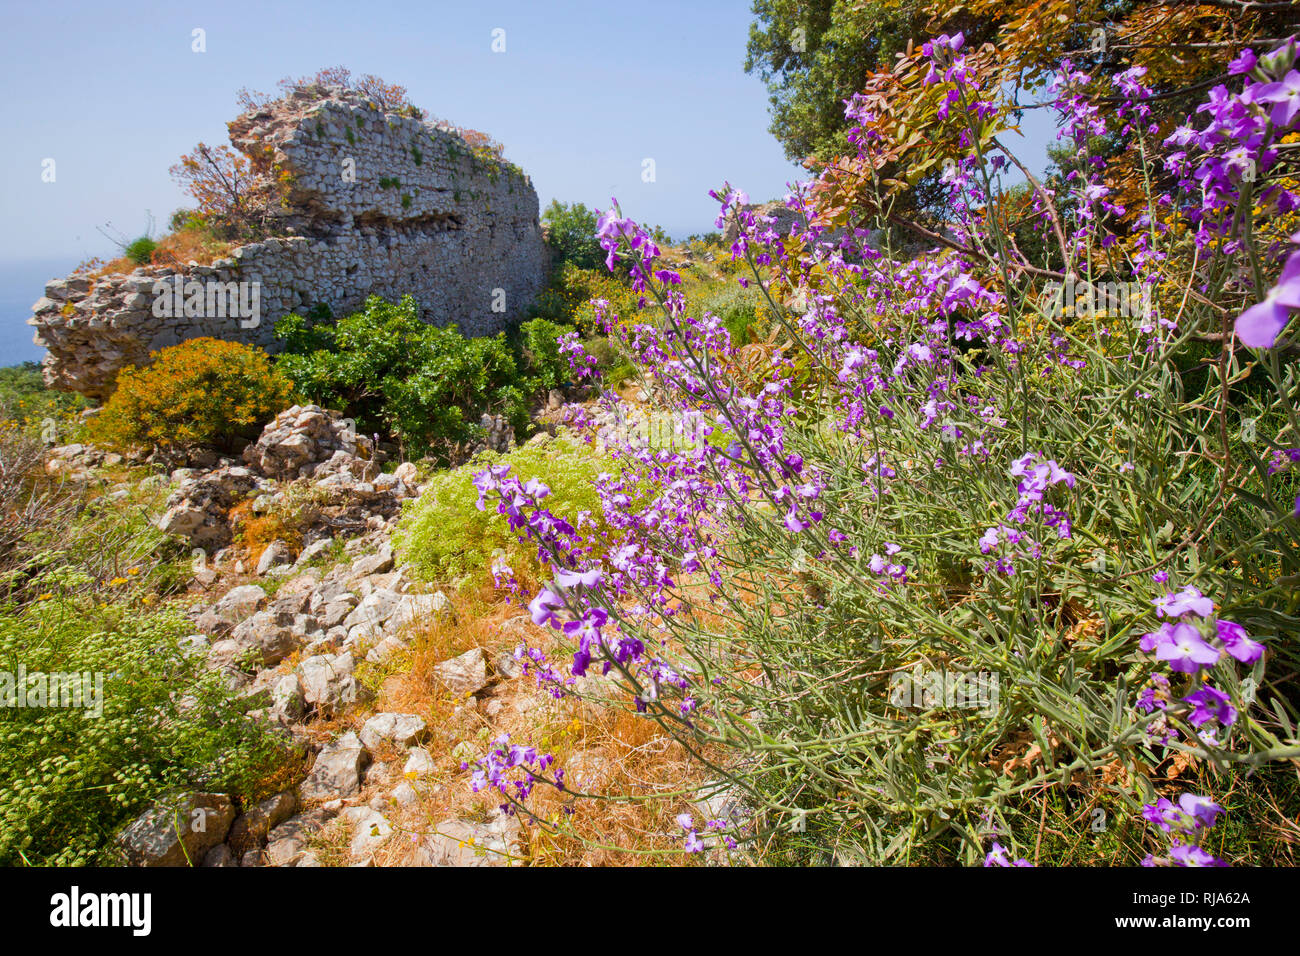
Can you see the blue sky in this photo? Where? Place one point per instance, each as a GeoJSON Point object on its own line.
{"type": "Point", "coordinates": [583, 93]}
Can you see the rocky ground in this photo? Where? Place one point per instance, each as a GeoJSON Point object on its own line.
{"type": "Point", "coordinates": [288, 632]}
{"type": "Point", "coordinates": [377, 685]}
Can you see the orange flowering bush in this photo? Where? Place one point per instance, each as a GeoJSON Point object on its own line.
{"type": "Point", "coordinates": [201, 392]}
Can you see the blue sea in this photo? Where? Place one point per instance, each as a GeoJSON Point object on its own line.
{"type": "Point", "coordinates": [21, 284]}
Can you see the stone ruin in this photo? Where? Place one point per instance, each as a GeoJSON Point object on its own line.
{"type": "Point", "coordinates": [377, 203]}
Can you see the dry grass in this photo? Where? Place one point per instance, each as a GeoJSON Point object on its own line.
{"type": "Point", "coordinates": [191, 245]}
{"type": "Point", "coordinates": [174, 250]}
{"type": "Point", "coordinates": [622, 762]}
{"type": "Point", "coordinates": [626, 779]}
{"type": "Point", "coordinates": [257, 532]}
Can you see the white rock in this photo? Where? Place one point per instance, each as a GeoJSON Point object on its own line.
{"type": "Point", "coordinates": [277, 553]}
{"type": "Point", "coordinates": [238, 603]}
{"type": "Point", "coordinates": [370, 829]}
{"type": "Point", "coordinates": [469, 843]}
{"type": "Point", "coordinates": [401, 729]}
{"type": "Point", "coordinates": [337, 770]}
{"type": "Point", "coordinates": [376, 608]}
{"type": "Point", "coordinates": [466, 674]}
{"type": "Point", "coordinates": [178, 832]}
{"type": "Point", "coordinates": [418, 764]}
{"type": "Point", "coordinates": [315, 550]}
{"type": "Point", "coordinates": [328, 683]}
{"type": "Point", "coordinates": [385, 649]}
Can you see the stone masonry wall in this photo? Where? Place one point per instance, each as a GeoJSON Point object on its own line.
{"type": "Point", "coordinates": [378, 204]}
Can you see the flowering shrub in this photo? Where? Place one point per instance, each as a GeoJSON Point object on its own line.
{"type": "Point", "coordinates": [158, 722]}
{"type": "Point", "coordinates": [966, 462]}
{"type": "Point", "coordinates": [203, 391]}
{"type": "Point", "coordinates": [445, 537]}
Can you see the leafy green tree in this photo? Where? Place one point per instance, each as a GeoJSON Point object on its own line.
{"type": "Point", "coordinates": [571, 234]}
{"type": "Point", "coordinates": [396, 375]}
{"type": "Point", "coordinates": [815, 54]}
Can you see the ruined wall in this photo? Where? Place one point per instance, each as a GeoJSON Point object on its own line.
{"type": "Point", "coordinates": [378, 204]}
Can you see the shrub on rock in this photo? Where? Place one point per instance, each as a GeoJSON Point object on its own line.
{"type": "Point", "coordinates": [203, 391]}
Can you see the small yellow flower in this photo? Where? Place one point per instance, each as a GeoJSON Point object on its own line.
{"type": "Point", "coordinates": [117, 582]}
{"type": "Point", "coordinates": [132, 571]}
{"type": "Point", "coordinates": [44, 597]}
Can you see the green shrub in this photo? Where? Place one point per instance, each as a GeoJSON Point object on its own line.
{"type": "Point", "coordinates": [398, 376]}
{"type": "Point", "coordinates": [567, 298]}
{"type": "Point", "coordinates": [600, 349]}
{"type": "Point", "coordinates": [541, 352]}
{"type": "Point", "coordinates": [571, 235]}
{"type": "Point", "coordinates": [140, 251]}
{"type": "Point", "coordinates": [25, 399]}
{"type": "Point", "coordinates": [618, 374]}
{"type": "Point", "coordinates": [741, 310]}
{"type": "Point", "coordinates": [201, 392]}
{"type": "Point", "coordinates": [72, 777]}
{"type": "Point", "coordinates": [445, 537]}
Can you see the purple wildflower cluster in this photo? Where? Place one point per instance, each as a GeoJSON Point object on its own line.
{"type": "Point", "coordinates": [693, 842]}
{"type": "Point", "coordinates": [581, 364]}
{"type": "Point", "coordinates": [1190, 641]}
{"type": "Point", "coordinates": [1036, 475]}
{"type": "Point", "coordinates": [1229, 161]}
{"type": "Point", "coordinates": [513, 770]}
{"type": "Point", "coordinates": [1185, 825]}
{"type": "Point", "coordinates": [939, 323]}
{"type": "Point", "coordinates": [998, 856]}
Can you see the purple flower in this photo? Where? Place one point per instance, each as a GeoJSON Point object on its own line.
{"type": "Point", "coordinates": [1201, 809]}
{"type": "Point", "coordinates": [1187, 601]}
{"type": "Point", "coordinates": [588, 579]}
{"type": "Point", "coordinates": [1261, 324]}
{"type": "Point", "coordinates": [1242, 64]}
{"type": "Point", "coordinates": [1285, 95]}
{"type": "Point", "coordinates": [1209, 704]}
{"type": "Point", "coordinates": [1184, 854]}
{"type": "Point", "coordinates": [998, 857]}
{"type": "Point", "coordinates": [1160, 814]}
{"type": "Point", "coordinates": [1238, 642]}
{"type": "Point", "coordinates": [543, 607]}
{"type": "Point", "coordinates": [1186, 650]}
{"type": "Point", "coordinates": [693, 842]}
{"type": "Point", "coordinates": [1153, 639]}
